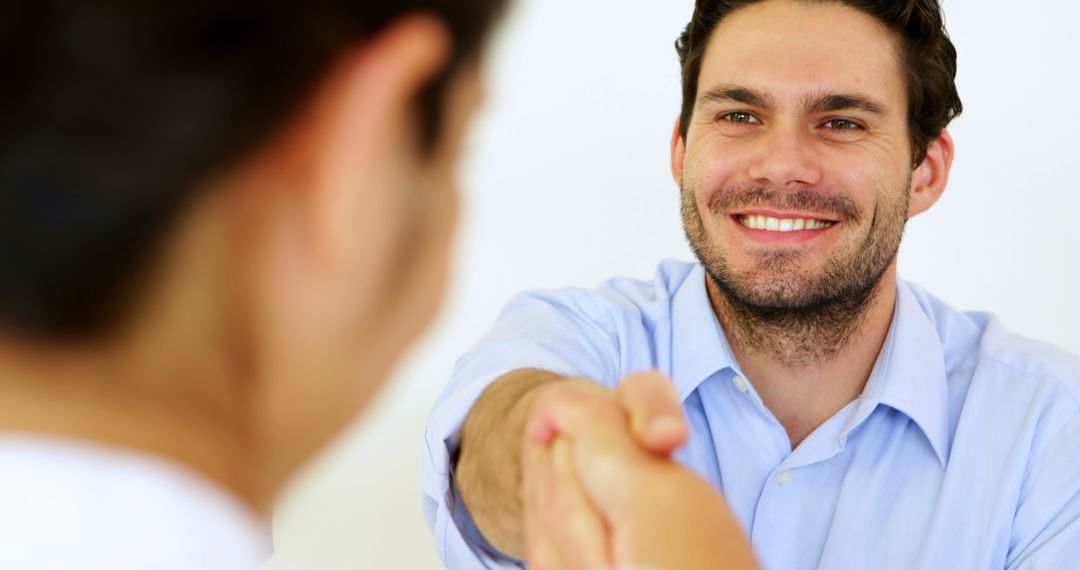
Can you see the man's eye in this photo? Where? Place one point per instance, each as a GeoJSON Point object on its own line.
{"type": "Point", "coordinates": [842, 125]}
{"type": "Point", "coordinates": [740, 118]}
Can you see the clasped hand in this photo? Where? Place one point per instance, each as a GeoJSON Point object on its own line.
{"type": "Point", "coordinates": [600, 490]}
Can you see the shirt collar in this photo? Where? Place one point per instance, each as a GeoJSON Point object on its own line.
{"type": "Point", "coordinates": [699, 348]}
{"type": "Point", "coordinates": [912, 376]}
{"type": "Point", "coordinates": [909, 375]}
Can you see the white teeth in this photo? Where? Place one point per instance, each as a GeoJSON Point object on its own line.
{"type": "Point", "coordinates": [782, 225]}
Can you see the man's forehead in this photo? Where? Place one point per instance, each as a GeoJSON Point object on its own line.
{"type": "Point", "coordinates": [794, 51]}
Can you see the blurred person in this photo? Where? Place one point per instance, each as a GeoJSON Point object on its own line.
{"type": "Point", "coordinates": [849, 417]}
{"type": "Point", "coordinates": [221, 223]}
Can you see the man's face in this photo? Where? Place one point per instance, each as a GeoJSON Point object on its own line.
{"type": "Point", "coordinates": [796, 166]}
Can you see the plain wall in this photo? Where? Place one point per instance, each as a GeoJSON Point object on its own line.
{"type": "Point", "coordinates": [567, 183]}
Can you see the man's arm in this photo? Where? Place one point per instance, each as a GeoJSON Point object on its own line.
{"type": "Point", "coordinates": [488, 472]}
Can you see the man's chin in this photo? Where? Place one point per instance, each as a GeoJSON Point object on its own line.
{"type": "Point", "coordinates": [773, 294]}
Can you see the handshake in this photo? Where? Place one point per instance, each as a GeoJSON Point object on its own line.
{"type": "Point", "coordinates": [571, 475]}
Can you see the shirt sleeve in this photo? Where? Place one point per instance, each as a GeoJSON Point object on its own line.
{"type": "Point", "coordinates": [1046, 528]}
{"type": "Point", "coordinates": [562, 331]}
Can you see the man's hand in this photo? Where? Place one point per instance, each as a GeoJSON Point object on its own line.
{"type": "Point", "coordinates": [644, 405]}
{"type": "Point", "coordinates": [650, 512]}
{"type": "Point", "coordinates": [563, 527]}
{"type": "Point", "coordinates": [490, 475]}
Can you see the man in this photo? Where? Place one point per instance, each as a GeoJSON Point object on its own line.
{"type": "Point", "coordinates": [221, 223]}
{"type": "Point", "coordinates": [850, 419]}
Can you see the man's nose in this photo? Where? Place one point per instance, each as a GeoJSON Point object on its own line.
{"type": "Point", "coordinates": [785, 158]}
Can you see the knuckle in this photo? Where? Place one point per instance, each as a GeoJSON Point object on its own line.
{"type": "Point", "coordinates": [585, 391]}
{"type": "Point", "coordinates": [559, 396]}
{"type": "Point", "coordinates": [634, 381]}
{"type": "Point", "coordinates": [648, 391]}
{"type": "Point", "coordinates": [651, 382]}
{"type": "Point", "coordinates": [584, 403]}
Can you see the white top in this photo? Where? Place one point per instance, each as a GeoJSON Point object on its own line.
{"type": "Point", "coordinates": [70, 504]}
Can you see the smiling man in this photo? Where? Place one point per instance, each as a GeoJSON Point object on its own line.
{"type": "Point", "coordinates": [849, 418]}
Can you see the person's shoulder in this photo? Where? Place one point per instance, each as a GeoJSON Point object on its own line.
{"type": "Point", "coordinates": [1029, 355]}
{"type": "Point", "coordinates": [669, 276]}
{"type": "Point", "coordinates": [72, 503]}
{"type": "Point", "coordinates": [617, 296]}
{"type": "Point", "coordinates": [978, 340]}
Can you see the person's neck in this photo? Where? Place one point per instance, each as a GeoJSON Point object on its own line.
{"type": "Point", "coordinates": [67, 396]}
{"type": "Point", "coordinates": [804, 377]}
{"type": "Point", "coordinates": [167, 381]}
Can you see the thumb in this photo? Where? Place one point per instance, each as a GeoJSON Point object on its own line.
{"type": "Point", "coordinates": [656, 416]}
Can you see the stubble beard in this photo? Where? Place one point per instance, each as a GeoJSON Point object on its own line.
{"type": "Point", "coordinates": [775, 308]}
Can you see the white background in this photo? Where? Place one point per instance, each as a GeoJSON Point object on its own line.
{"type": "Point", "coordinates": [567, 183]}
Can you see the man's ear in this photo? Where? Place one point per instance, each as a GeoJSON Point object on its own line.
{"type": "Point", "coordinates": [678, 152]}
{"type": "Point", "coordinates": [929, 179]}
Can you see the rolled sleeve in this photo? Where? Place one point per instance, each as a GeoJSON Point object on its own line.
{"type": "Point", "coordinates": [561, 331]}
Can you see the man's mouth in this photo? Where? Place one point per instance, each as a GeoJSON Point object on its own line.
{"type": "Point", "coordinates": [771, 224]}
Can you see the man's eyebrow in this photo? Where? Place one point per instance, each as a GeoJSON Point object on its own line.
{"type": "Point", "coordinates": [829, 102]}
{"type": "Point", "coordinates": [733, 93]}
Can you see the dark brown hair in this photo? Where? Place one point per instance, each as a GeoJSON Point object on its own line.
{"type": "Point", "coordinates": [112, 111]}
{"type": "Point", "coordinates": [927, 55]}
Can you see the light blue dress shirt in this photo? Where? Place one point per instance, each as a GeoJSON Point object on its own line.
{"type": "Point", "coordinates": [963, 450]}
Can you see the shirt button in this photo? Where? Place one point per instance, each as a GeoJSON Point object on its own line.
{"type": "Point", "coordinates": [784, 477]}
{"type": "Point", "coordinates": [740, 384]}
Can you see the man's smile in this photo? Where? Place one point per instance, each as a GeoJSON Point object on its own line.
{"type": "Point", "coordinates": [776, 227]}
{"type": "Point", "coordinates": [781, 224]}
